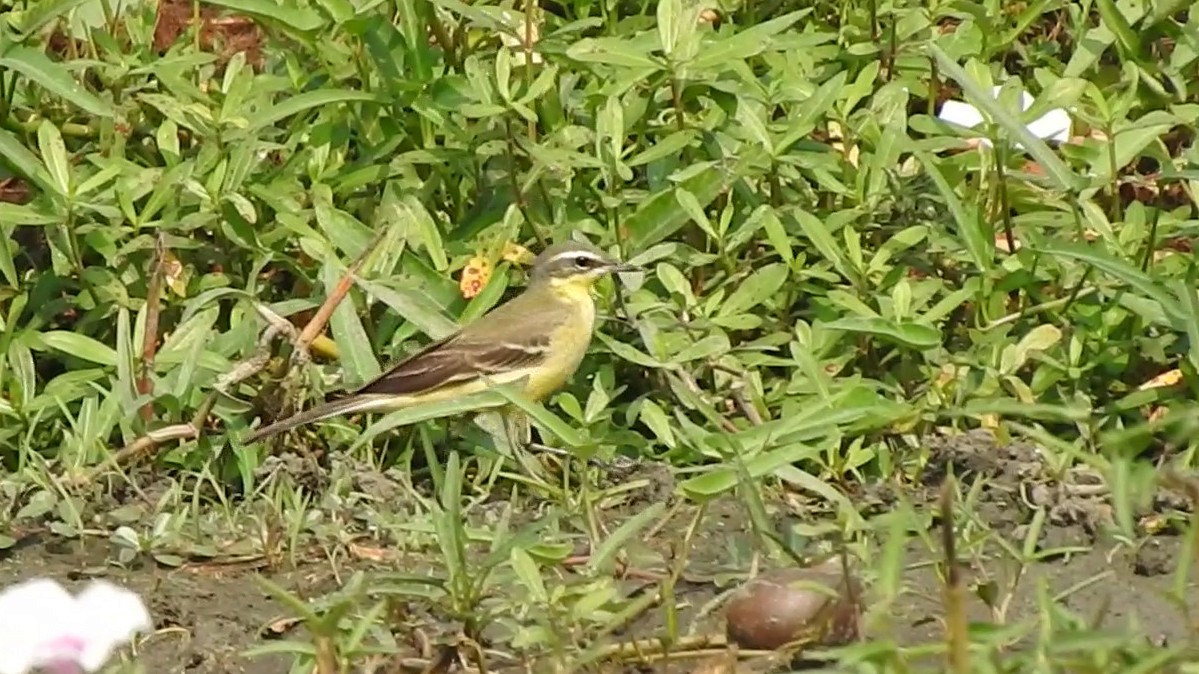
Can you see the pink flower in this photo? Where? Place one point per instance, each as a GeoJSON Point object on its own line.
{"type": "Point", "coordinates": [43, 626]}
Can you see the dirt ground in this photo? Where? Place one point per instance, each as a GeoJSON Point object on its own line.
{"type": "Point", "coordinates": [208, 614]}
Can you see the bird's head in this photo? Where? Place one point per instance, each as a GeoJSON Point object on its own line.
{"type": "Point", "coordinates": [575, 264]}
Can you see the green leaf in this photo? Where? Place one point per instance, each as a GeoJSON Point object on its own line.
{"type": "Point", "coordinates": [915, 335]}
{"type": "Point", "coordinates": [603, 556]}
{"type": "Point", "coordinates": [353, 344]}
{"type": "Point", "coordinates": [40, 14]}
{"type": "Point", "coordinates": [24, 162]}
{"type": "Point", "coordinates": [1065, 179]}
{"type": "Point", "coordinates": [528, 573]}
{"type": "Point", "coordinates": [725, 478]}
{"type": "Point", "coordinates": [1130, 140]}
{"type": "Point", "coordinates": [26, 214]}
{"type": "Point", "coordinates": [8, 265]}
{"type": "Point", "coordinates": [1109, 13]}
{"type": "Point", "coordinates": [79, 346]}
{"type": "Point", "coordinates": [1038, 339]}
{"type": "Point", "coordinates": [670, 17]}
{"type": "Point", "coordinates": [708, 347]}
{"type": "Point", "coordinates": [776, 234]}
{"type": "Point", "coordinates": [652, 415]}
{"type": "Point", "coordinates": [412, 306]}
{"type": "Point", "coordinates": [293, 105]}
{"type": "Point", "coordinates": [615, 52]}
{"type": "Point", "coordinates": [1007, 407]}
{"type": "Point", "coordinates": [292, 15]}
{"type": "Point", "coordinates": [1188, 291]}
{"type": "Point", "coordinates": [1105, 262]}
{"type": "Point", "coordinates": [824, 242]}
{"type": "Point", "coordinates": [629, 353]}
{"type": "Point", "coordinates": [548, 420]}
{"type": "Point", "coordinates": [750, 42]}
{"type": "Point", "coordinates": [54, 156]}
{"type": "Point", "coordinates": [53, 77]}
{"type": "Point", "coordinates": [969, 223]}
{"type": "Point", "coordinates": [475, 402]}
{"type": "Point", "coordinates": [759, 287]}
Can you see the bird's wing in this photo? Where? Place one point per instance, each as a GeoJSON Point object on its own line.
{"type": "Point", "coordinates": [498, 343]}
{"type": "Point", "coordinates": [456, 361]}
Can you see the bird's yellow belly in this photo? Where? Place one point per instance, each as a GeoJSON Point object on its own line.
{"type": "Point", "coordinates": [569, 346]}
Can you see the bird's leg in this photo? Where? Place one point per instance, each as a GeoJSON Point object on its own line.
{"type": "Point", "coordinates": [518, 429]}
{"type": "Point", "coordinates": [557, 451]}
{"type": "Point", "coordinates": [520, 434]}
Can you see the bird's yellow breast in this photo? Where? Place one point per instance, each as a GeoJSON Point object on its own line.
{"type": "Point", "coordinates": [568, 341]}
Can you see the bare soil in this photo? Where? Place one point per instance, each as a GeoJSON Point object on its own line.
{"type": "Point", "coordinates": [208, 614]}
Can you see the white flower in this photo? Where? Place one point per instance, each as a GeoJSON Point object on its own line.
{"type": "Point", "coordinates": [42, 625]}
{"type": "Point", "coordinates": [1053, 125]}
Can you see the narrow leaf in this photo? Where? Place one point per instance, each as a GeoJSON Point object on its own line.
{"type": "Point", "coordinates": [53, 77]}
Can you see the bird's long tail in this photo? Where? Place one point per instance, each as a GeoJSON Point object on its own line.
{"type": "Point", "coordinates": [347, 405]}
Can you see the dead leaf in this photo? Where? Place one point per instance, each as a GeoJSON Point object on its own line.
{"type": "Point", "coordinates": [475, 276]}
{"type": "Point", "coordinates": [1167, 378]}
{"type": "Point", "coordinates": [517, 254]}
{"type": "Point", "coordinates": [370, 553]}
{"type": "Point", "coordinates": [1001, 243]}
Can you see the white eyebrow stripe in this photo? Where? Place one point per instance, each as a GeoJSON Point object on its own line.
{"type": "Point", "coordinates": [577, 253]}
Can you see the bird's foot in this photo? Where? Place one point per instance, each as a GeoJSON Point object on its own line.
{"type": "Point", "coordinates": [593, 462]}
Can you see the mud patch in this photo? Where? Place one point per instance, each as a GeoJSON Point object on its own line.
{"type": "Point", "coordinates": [204, 618]}
{"type": "Point", "coordinates": [1025, 537]}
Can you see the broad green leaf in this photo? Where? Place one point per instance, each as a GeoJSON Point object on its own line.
{"type": "Point", "coordinates": [529, 574]}
{"type": "Point", "coordinates": [776, 234]}
{"type": "Point", "coordinates": [54, 157]}
{"type": "Point", "coordinates": [1038, 339]}
{"type": "Point", "coordinates": [1065, 179]}
{"type": "Point", "coordinates": [1107, 263]}
{"type": "Point", "coordinates": [1130, 140]}
{"type": "Point", "coordinates": [709, 347]}
{"type": "Point", "coordinates": [615, 52]}
{"type": "Point", "coordinates": [17, 155]}
{"type": "Point", "coordinates": [604, 555]}
{"type": "Point", "coordinates": [294, 105]}
{"type": "Point", "coordinates": [293, 15]}
{"type": "Point", "coordinates": [80, 346]}
{"type": "Point", "coordinates": [723, 479]}
{"type": "Point", "coordinates": [475, 402]}
{"type": "Point", "coordinates": [548, 420]}
{"type": "Point", "coordinates": [412, 306]}
{"type": "Point", "coordinates": [749, 42]}
{"type": "Point", "coordinates": [968, 220]}
{"type": "Point", "coordinates": [353, 344]}
{"type": "Point", "coordinates": [8, 265]}
{"type": "Point", "coordinates": [915, 335]}
{"type": "Point", "coordinates": [758, 287]}
{"type": "Point", "coordinates": [660, 216]}
{"type": "Point", "coordinates": [53, 77]}
{"type": "Point", "coordinates": [26, 214]}
{"type": "Point", "coordinates": [39, 14]}
{"type": "Point", "coordinates": [652, 415]}
{"type": "Point", "coordinates": [630, 353]}
{"type": "Point", "coordinates": [670, 17]}
{"type": "Point", "coordinates": [1007, 407]}
{"type": "Point", "coordinates": [1113, 18]}
{"type": "Point", "coordinates": [824, 242]}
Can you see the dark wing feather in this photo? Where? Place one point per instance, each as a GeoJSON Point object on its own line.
{"type": "Point", "coordinates": [456, 360]}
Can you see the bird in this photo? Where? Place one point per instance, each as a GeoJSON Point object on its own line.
{"type": "Point", "coordinates": [539, 336]}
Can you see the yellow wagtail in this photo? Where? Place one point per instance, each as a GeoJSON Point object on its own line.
{"type": "Point", "coordinates": [540, 336]}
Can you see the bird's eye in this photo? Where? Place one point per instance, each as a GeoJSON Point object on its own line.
{"type": "Point", "coordinates": [582, 262]}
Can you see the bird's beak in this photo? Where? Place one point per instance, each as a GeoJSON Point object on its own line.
{"type": "Point", "coordinates": [622, 267]}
